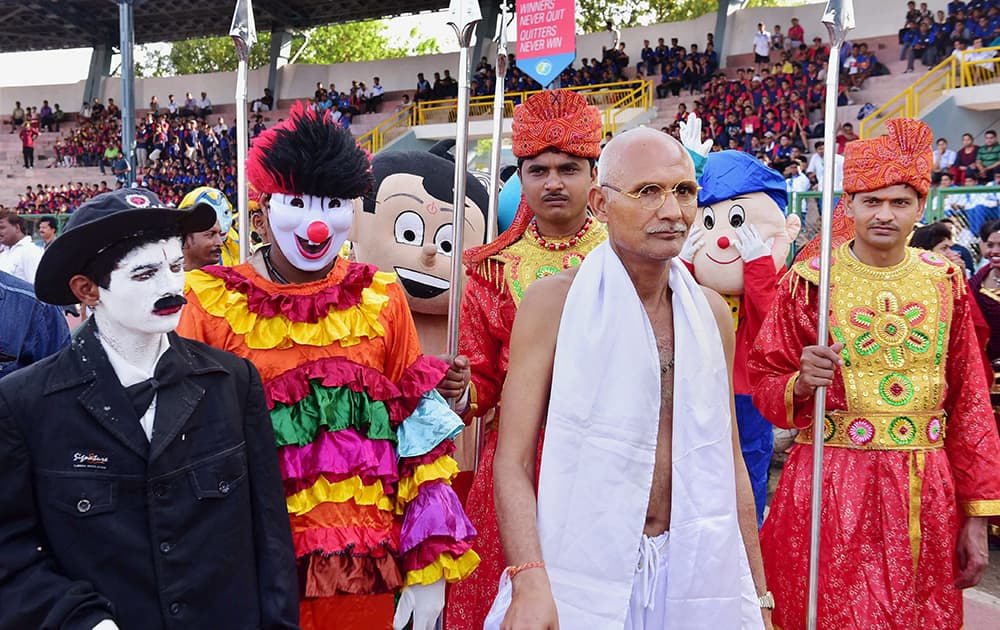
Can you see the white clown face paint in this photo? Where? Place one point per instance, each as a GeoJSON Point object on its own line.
{"type": "Point", "coordinates": [145, 295]}
{"type": "Point", "coordinates": [309, 230]}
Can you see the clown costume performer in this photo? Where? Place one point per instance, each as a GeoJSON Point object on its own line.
{"type": "Point", "coordinates": [364, 440]}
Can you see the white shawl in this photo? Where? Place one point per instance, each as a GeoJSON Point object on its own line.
{"type": "Point", "coordinates": [599, 452]}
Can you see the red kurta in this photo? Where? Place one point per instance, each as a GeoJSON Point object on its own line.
{"type": "Point", "coordinates": [489, 304]}
{"type": "Point", "coordinates": [891, 514]}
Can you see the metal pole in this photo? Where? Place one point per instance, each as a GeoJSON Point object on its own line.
{"type": "Point", "coordinates": [244, 34]}
{"type": "Point", "coordinates": [242, 146]}
{"type": "Point", "coordinates": [838, 18]}
{"type": "Point", "coordinates": [466, 17]}
{"type": "Point", "coordinates": [125, 39]}
{"type": "Point", "coordinates": [498, 94]}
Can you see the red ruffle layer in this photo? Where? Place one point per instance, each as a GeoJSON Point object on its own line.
{"type": "Point", "coordinates": [428, 551]}
{"type": "Point", "coordinates": [300, 308]}
{"type": "Point", "coordinates": [408, 465]}
{"type": "Point", "coordinates": [355, 541]}
{"type": "Point", "coordinates": [326, 576]}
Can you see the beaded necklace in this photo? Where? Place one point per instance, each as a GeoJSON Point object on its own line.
{"type": "Point", "coordinates": [558, 247]}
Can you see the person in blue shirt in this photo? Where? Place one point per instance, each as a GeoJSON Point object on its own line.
{"type": "Point", "coordinates": [907, 35]}
{"type": "Point", "coordinates": [924, 47]}
{"type": "Point", "coordinates": [648, 64]}
{"type": "Point", "coordinates": [955, 6]}
{"type": "Point", "coordinates": [29, 329]}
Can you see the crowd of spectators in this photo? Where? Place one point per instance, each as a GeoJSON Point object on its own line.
{"type": "Point", "coordinates": [54, 199]}
{"type": "Point", "coordinates": [344, 106]}
{"type": "Point", "coordinates": [930, 37]}
{"type": "Point", "coordinates": [177, 147]}
{"type": "Point", "coordinates": [44, 118]}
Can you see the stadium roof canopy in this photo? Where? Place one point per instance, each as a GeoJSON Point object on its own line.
{"type": "Point", "coordinates": [56, 24]}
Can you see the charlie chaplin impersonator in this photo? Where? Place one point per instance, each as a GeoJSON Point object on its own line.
{"type": "Point", "coordinates": [140, 483]}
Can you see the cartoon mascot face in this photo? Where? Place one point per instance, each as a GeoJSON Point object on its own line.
{"type": "Point", "coordinates": [406, 226]}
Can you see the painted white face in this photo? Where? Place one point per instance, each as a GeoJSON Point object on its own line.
{"type": "Point", "coordinates": [146, 292]}
{"type": "Point", "coordinates": [309, 230]}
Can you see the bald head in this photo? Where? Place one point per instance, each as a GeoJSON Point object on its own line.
{"type": "Point", "coordinates": [629, 152]}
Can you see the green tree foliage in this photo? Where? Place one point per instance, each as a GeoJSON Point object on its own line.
{"type": "Point", "coordinates": [334, 43]}
{"type": "Point", "coordinates": [593, 15]}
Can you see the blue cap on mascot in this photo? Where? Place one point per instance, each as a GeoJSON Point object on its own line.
{"type": "Point", "coordinates": [729, 174]}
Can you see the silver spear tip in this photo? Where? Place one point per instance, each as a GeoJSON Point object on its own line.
{"type": "Point", "coordinates": [839, 18]}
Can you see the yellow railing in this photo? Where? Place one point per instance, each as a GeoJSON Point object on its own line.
{"type": "Point", "coordinates": [639, 97]}
{"type": "Point", "coordinates": [374, 139]}
{"type": "Point", "coordinates": [981, 71]}
{"type": "Point", "coordinates": [611, 98]}
{"type": "Point", "coordinates": [949, 74]}
{"type": "Point", "coordinates": [607, 97]}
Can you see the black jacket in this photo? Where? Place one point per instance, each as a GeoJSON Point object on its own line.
{"type": "Point", "coordinates": [186, 531]}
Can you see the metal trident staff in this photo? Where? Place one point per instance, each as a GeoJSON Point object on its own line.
{"type": "Point", "coordinates": [244, 34]}
{"type": "Point", "coordinates": [838, 18]}
{"type": "Point", "coordinates": [466, 14]}
{"type": "Point", "coordinates": [498, 93]}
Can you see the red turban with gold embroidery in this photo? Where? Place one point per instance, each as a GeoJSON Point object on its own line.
{"type": "Point", "coordinates": [904, 156]}
{"type": "Point", "coordinates": [556, 119]}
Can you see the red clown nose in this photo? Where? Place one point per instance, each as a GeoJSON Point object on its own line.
{"type": "Point", "coordinates": [318, 232]}
{"type": "Point", "coordinates": [723, 241]}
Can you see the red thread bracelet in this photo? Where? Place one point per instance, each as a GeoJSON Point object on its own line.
{"type": "Point", "coordinates": [513, 571]}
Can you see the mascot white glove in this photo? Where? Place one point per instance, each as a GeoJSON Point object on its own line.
{"type": "Point", "coordinates": [749, 244]}
{"type": "Point", "coordinates": [424, 602]}
{"type": "Point", "coordinates": [694, 242]}
{"type": "Point", "coordinates": [691, 136]}
{"type": "Point", "coordinates": [107, 624]}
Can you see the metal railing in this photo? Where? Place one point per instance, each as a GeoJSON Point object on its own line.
{"type": "Point", "coordinates": [374, 139]}
{"type": "Point", "coordinates": [981, 71]}
{"type": "Point", "coordinates": [610, 98]}
{"type": "Point", "coordinates": [641, 97]}
{"type": "Point", "coordinates": [613, 99]}
{"type": "Point", "coordinates": [952, 72]}
{"type": "Point", "coordinates": [936, 209]}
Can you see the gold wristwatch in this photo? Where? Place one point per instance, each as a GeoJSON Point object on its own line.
{"type": "Point", "coordinates": [766, 600]}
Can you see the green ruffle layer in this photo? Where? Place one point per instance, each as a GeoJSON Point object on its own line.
{"type": "Point", "coordinates": [331, 409]}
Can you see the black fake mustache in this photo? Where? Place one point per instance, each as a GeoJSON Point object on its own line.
{"type": "Point", "coordinates": [169, 301]}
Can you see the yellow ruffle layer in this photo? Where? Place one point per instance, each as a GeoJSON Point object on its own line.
{"type": "Point", "coordinates": [443, 467]}
{"type": "Point", "coordinates": [324, 491]}
{"type": "Point", "coordinates": [447, 567]}
{"type": "Point", "coordinates": [347, 327]}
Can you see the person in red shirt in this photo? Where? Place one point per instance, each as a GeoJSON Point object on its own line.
{"type": "Point", "coordinates": [796, 34]}
{"type": "Point", "coordinates": [28, 135]}
{"type": "Point", "coordinates": [846, 135]}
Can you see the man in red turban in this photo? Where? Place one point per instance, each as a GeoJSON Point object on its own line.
{"type": "Point", "coordinates": [556, 139]}
{"type": "Point", "coordinates": [911, 466]}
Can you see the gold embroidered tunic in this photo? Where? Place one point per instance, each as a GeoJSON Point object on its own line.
{"type": "Point", "coordinates": [910, 437]}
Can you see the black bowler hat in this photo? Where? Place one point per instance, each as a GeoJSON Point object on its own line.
{"type": "Point", "coordinates": [101, 222]}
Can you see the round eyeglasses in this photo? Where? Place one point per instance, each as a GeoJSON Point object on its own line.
{"type": "Point", "coordinates": [653, 196]}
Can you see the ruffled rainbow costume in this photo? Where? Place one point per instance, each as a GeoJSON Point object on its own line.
{"type": "Point", "coordinates": [364, 440]}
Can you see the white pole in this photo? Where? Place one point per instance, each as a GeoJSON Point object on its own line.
{"type": "Point", "coordinates": [467, 16]}
{"type": "Point", "coordinates": [838, 18]}
{"type": "Point", "coordinates": [498, 93]}
{"type": "Point", "coordinates": [244, 34]}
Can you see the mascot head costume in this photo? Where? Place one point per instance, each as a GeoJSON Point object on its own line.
{"type": "Point", "coordinates": [406, 225]}
{"type": "Point", "coordinates": [739, 194]}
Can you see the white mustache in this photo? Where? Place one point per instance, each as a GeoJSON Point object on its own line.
{"type": "Point", "coordinates": [680, 228]}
